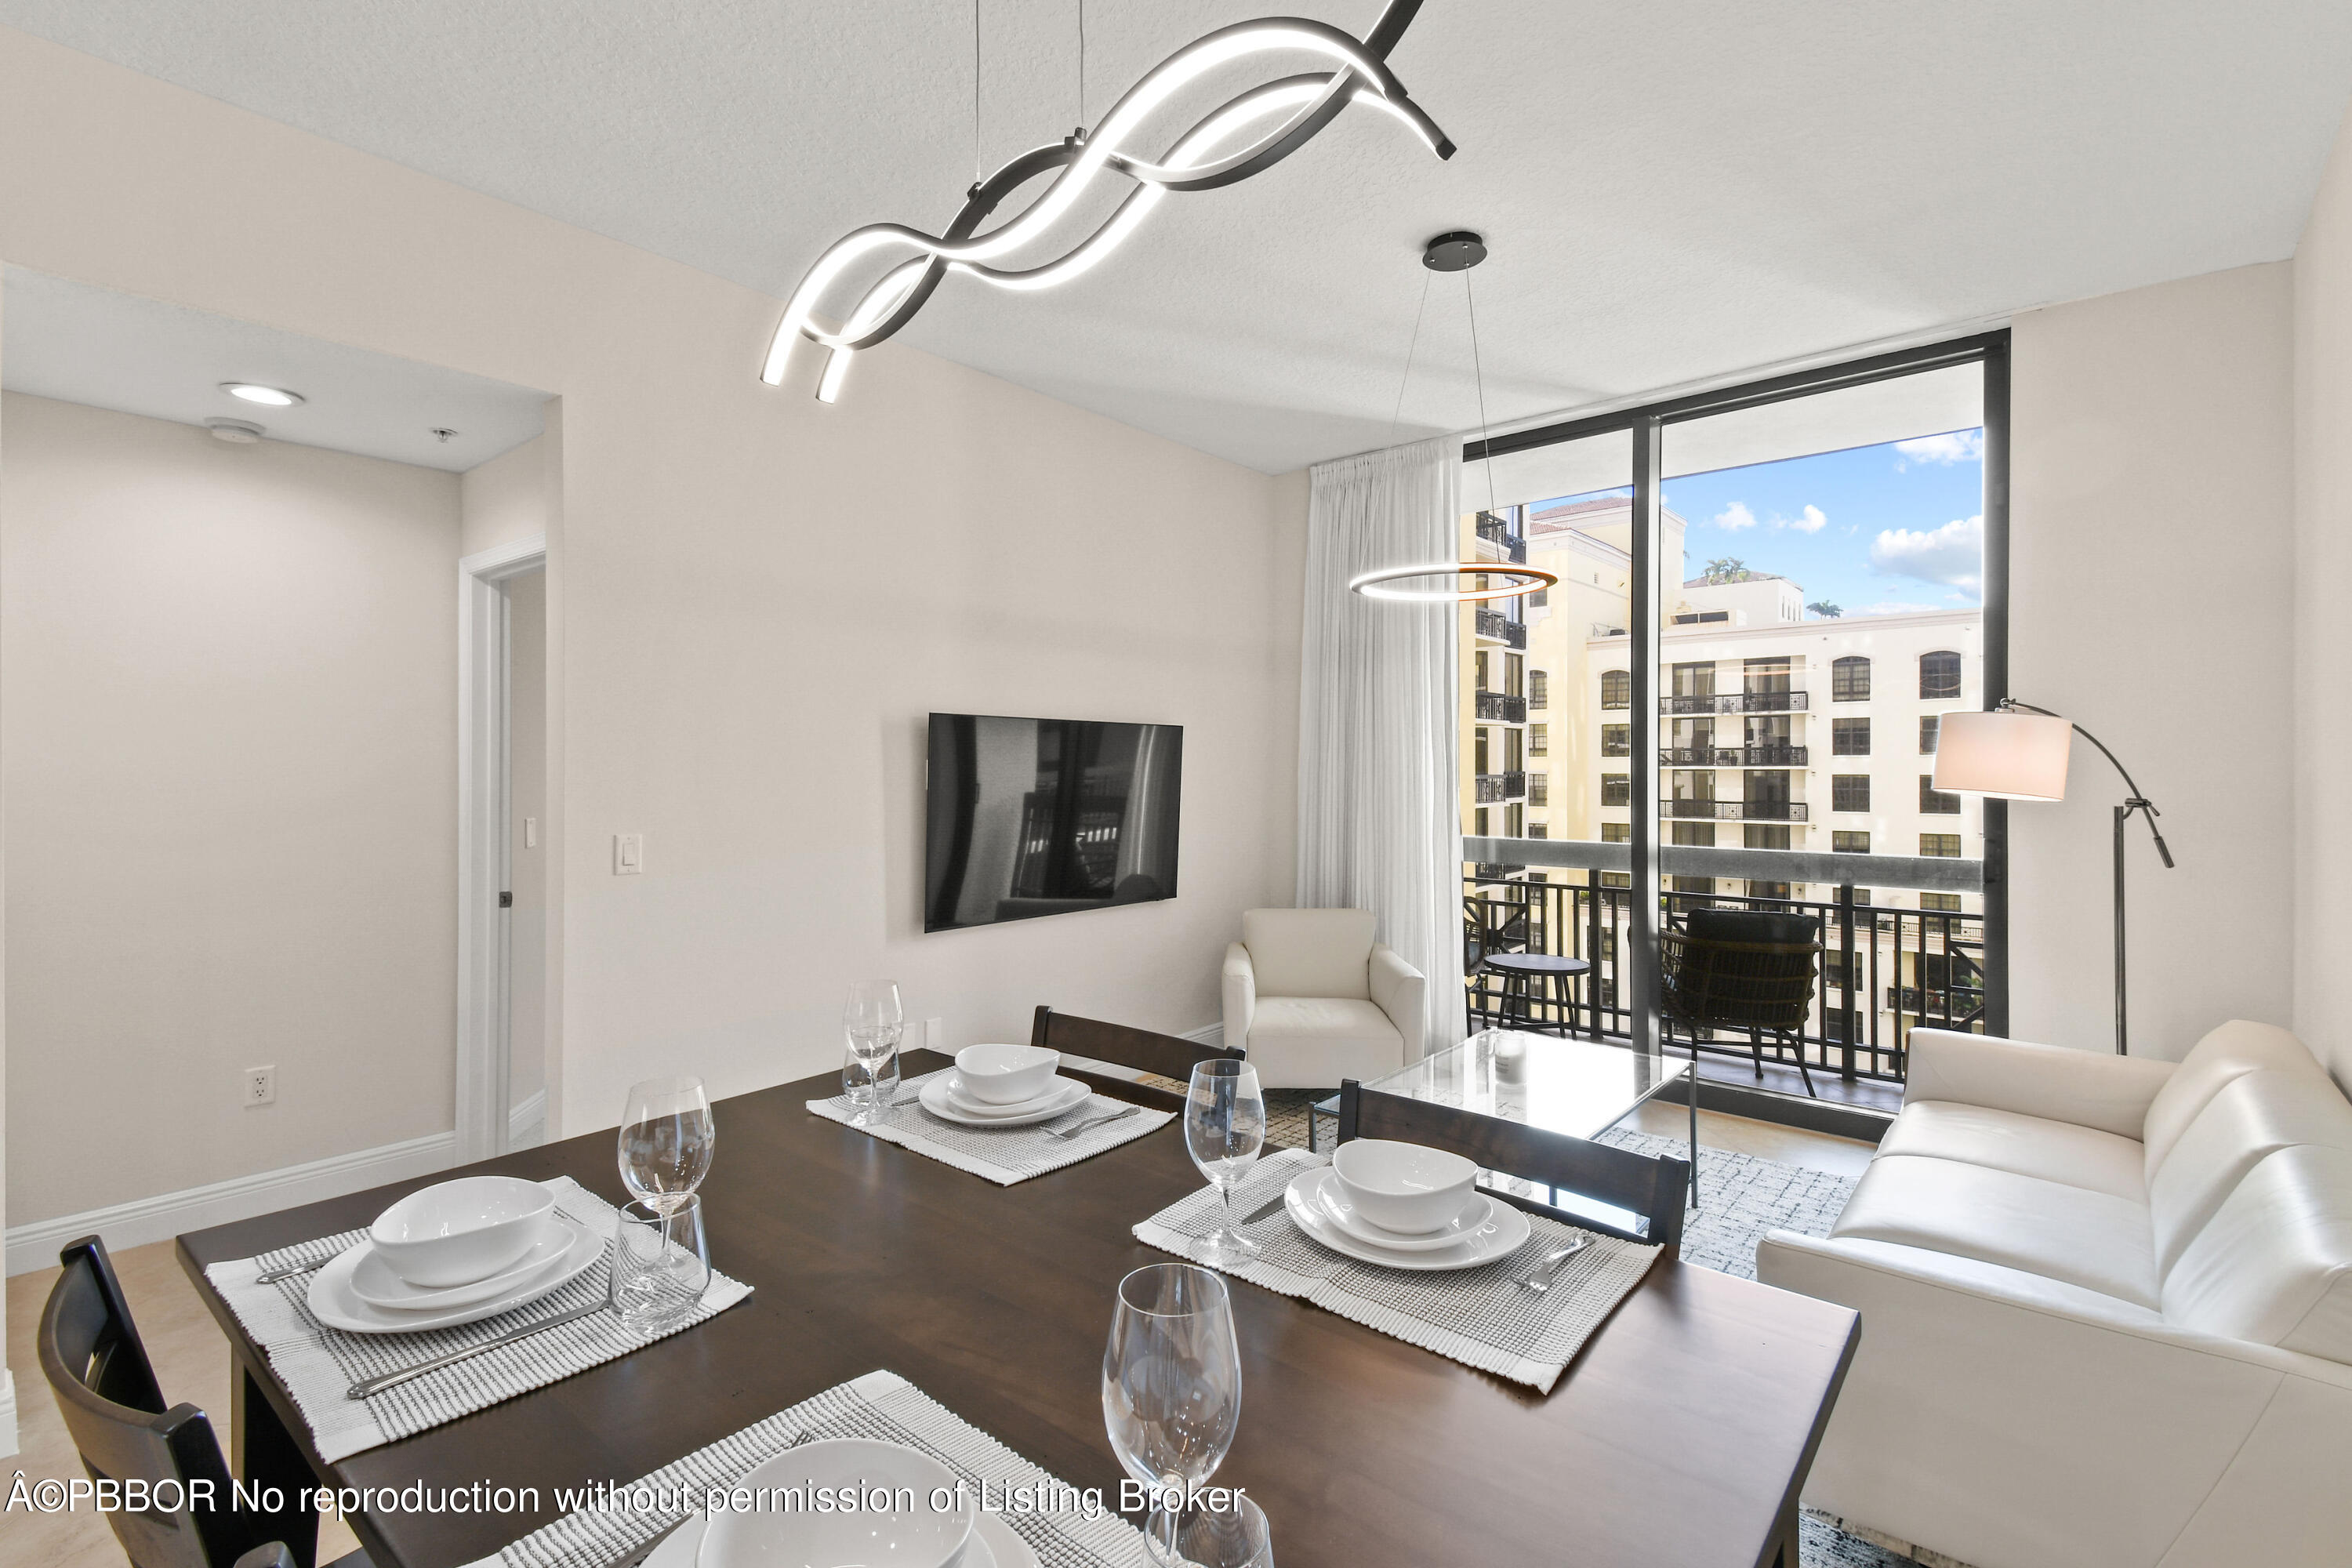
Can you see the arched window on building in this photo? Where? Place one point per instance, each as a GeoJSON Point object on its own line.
{"type": "Point", "coordinates": [1940, 674]}
{"type": "Point", "coordinates": [1616, 688]}
{"type": "Point", "coordinates": [1850, 679]}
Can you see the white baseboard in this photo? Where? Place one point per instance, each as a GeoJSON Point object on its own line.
{"type": "Point", "coordinates": [1206, 1035]}
{"type": "Point", "coordinates": [527, 1122]}
{"type": "Point", "coordinates": [34, 1245]}
{"type": "Point", "coordinates": [7, 1412]}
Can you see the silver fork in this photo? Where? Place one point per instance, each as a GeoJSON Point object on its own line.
{"type": "Point", "coordinates": [1076, 1128]}
{"type": "Point", "coordinates": [1537, 1277]}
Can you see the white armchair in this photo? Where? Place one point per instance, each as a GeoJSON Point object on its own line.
{"type": "Point", "coordinates": [1314, 999]}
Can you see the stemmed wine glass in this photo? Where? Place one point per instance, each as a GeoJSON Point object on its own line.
{"type": "Point", "coordinates": [1171, 1387]}
{"type": "Point", "coordinates": [1224, 1128]}
{"type": "Point", "coordinates": [873, 1021]}
{"type": "Point", "coordinates": [667, 1140]}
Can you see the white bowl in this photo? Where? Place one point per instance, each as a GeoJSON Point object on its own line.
{"type": "Point", "coordinates": [454, 1233]}
{"type": "Point", "coordinates": [920, 1536]}
{"type": "Point", "coordinates": [1403, 1187]}
{"type": "Point", "coordinates": [1005, 1075]}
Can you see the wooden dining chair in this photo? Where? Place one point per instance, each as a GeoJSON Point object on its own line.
{"type": "Point", "coordinates": [90, 1351]}
{"type": "Point", "coordinates": [1651, 1187]}
{"type": "Point", "coordinates": [1123, 1045]}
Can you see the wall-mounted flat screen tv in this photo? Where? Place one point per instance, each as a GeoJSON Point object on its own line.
{"type": "Point", "coordinates": [1046, 816]}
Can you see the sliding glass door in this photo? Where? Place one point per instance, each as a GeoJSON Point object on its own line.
{"type": "Point", "coordinates": [1767, 596]}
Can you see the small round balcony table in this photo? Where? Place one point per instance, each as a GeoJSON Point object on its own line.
{"type": "Point", "coordinates": [1524, 972]}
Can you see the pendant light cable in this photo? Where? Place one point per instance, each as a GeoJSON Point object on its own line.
{"type": "Point", "coordinates": [1479, 369]}
{"type": "Point", "coordinates": [1082, 66]}
{"type": "Point", "coordinates": [979, 169]}
{"type": "Point", "coordinates": [1411, 344]}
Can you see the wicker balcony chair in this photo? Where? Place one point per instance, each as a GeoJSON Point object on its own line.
{"type": "Point", "coordinates": [1742, 969]}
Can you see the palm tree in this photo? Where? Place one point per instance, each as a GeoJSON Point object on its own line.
{"type": "Point", "coordinates": [1824, 609]}
{"type": "Point", "coordinates": [1726, 569]}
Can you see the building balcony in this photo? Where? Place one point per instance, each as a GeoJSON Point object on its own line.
{"type": "Point", "coordinates": [1731, 756]}
{"type": "Point", "coordinates": [1497, 543]}
{"type": "Point", "coordinates": [1735, 702]}
{"type": "Point", "coordinates": [1493, 625]}
{"type": "Point", "coordinates": [1494, 788]}
{"type": "Point", "coordinates": [1500, 708]}
{"type": "Point", "coordinates": [1735, 810]}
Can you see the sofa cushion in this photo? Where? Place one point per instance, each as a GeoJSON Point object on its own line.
{"type": "Point", "coordinates": [2275, 1263]}
{"type": "Point", "coordinates": [1311, 953]}
{"type": "Point", "coordinates": [1711, 924]}
{"type": "Point", "coordinates": [1313, 1042]}
{"type": "Point", "coordinates": [2094, 1239]}
{"type": "Point", "coordinates": [2024, 1145]}
{"type": "Point", "coordinates": [2229, 1052]}
{"type": "Point", "coordinates": [2254, 1115]}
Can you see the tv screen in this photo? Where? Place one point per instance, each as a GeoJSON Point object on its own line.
{"type": "Point", "coordinates": [1044, 817]}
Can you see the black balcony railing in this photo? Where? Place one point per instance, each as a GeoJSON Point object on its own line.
{"type": "Point", "coordinates": [1495, 787]}
{"type": "Point", "coordinates": [1496, 627]}
{"type": "Point", "coordinates": [1501, 708]}
{"type": "Point", "coordinates": [1730, 757]}
{"type": "Point", "coordinates": [1878, 948]}
{"type": "Point", "coordinates": [1736, 810]}
{"type": "Point", "coordinates": [1497, 532]}
{"type": "Point", "coordinates": [1736, 703]}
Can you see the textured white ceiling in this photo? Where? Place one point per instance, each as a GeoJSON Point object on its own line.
{"type": "Point", "coordinates": [1672, 192]}
{"type": "Point", "coordinates": [80, 344]}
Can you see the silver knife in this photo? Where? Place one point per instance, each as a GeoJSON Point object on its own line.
{"type": "Point", "coordinates": [370, 1387]}
{"type": "Point", "coordinates": [1267, 1208]}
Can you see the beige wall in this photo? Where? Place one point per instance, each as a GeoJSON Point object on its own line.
{"type": "Point", "coordinates": [2150, 586]}
{"type": "Point", "coordinates": [755, 598]}
{"type": "Point", "coordinates": [2323, 563]}
{"type": "Point", "coordinates": [228, 717]}
{"type": "Point", "coordinates": [505, 499]}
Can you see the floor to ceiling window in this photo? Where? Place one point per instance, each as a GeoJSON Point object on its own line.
{"type": "Point", "coordinates": [1766, 596]}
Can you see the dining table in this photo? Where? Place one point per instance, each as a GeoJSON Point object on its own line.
{"type": "Point", "coordinates": [1678, 1437]}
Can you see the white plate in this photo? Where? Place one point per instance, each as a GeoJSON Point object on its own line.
{"type": "Point", "coordinates": [993, 1545]}
{"type": "Point", "coordinates": [1476, 1216]}
{"type": "Point", "coordinates": [374, 1281]}
{"type": "Point", "coordinates": [935, 1100]}
{"type": "Point", "coordinates": [1303, 1199]}
{"type": "Point", "coordinates": [1057, 1089]}
{"type": "Point", "coordinates": [332, 1303]}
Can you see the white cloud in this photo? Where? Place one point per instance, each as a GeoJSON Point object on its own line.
{"type": "Point", "coordinates": [1811, 521]}
{"type": "Point", "coordinates": [1952, 447]}
{"type": "Point", "coordinates": [1736, 515]}
{"type": "Point", "coordinates": [1952, 556]}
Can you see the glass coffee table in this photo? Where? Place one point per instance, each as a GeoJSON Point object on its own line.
{"type": "Point", "coordinates": [1580, 1088]}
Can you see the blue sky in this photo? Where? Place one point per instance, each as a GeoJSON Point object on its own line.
{"type": "Point", "coordinates": [1873, 530]}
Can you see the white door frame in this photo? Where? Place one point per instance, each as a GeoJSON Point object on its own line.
{"type": "Point", "coordinates": [483, 793]}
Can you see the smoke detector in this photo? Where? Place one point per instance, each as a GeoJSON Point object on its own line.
{"type": "Point", "coordinates": [243, 432]}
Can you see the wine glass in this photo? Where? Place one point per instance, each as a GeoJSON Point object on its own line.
{"type": "Point", "coordinates": [667, 1138]}
{"type": "Point", "coordinates": [1224, 1127]}
{"type": "Point", "coordinates": [1171, 1387]}
{"type": "Point", "coordinates": [872, 1021]}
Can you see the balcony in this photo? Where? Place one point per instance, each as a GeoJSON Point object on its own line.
{"type": "Point", "coordinates": [1500, 708]}
{"type": "Point", "coordinates": [1495, 532]}
{"type": "Point", "coordinates": [1731, 756]}
{"type": "Point", "coordinates": [1735, 810]}
{"type": "Point", "coordinates": [1494, 788]}
{"type": "Point", "coordinates": [1493, 625]}
{"type": "Point", "coordinates": [1735, 702]}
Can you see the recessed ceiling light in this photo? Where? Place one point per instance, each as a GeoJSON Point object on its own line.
{"type": "Point", "coordinates": [253, 392]}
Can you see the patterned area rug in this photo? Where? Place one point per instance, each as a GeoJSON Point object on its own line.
{"type": "Point", "coordinates": [1740, 1197]}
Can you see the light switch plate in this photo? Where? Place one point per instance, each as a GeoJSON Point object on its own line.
{"type": "Point", "coordinates": [628, 854]}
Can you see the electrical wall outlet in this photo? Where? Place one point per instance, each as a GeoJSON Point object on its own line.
{"type": "Point", "coordinates": [628, 854]}
{"type": "Point", "coordinates": [260, 1086]}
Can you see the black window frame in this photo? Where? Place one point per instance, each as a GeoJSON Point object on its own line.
{"type": "Point", "coordinates": [1843, 730]}
{"type": "Point", "coordinates": [1958, 670]}
{"type": "Point", "coordinates": [1934, 802]}
{"type": "Point", "coordinates": [1931, 731]}
{"type": "Point", "coordinates": [1842, 682]}
{"type": "Point", "coordinates": [1620, 683]}
{"type": "Point", "coordinates": [1843, 785]}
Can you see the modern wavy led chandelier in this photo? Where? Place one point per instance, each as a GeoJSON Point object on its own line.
{"type": "Point", "coordinates": [1196, 162]}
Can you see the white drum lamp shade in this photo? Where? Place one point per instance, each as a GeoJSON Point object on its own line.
{"type": "Point", "coordinates": [2007, 755]}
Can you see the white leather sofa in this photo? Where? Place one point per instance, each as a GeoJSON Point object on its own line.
{"type": "Point", "coordinates": [1314, 999]}
{"type": "Point", "coordinates": [2107, 1309]}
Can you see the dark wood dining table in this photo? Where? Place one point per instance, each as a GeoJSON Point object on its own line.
{"type": "Point", "coordinates": [1677, 1438]}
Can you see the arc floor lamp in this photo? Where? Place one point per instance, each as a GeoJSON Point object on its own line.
{"type": "Point", "coordinates": [2019, 751]}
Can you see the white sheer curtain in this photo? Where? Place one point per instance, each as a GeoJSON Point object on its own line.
{"type": "Point", "coordinates": [1378, 797]}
